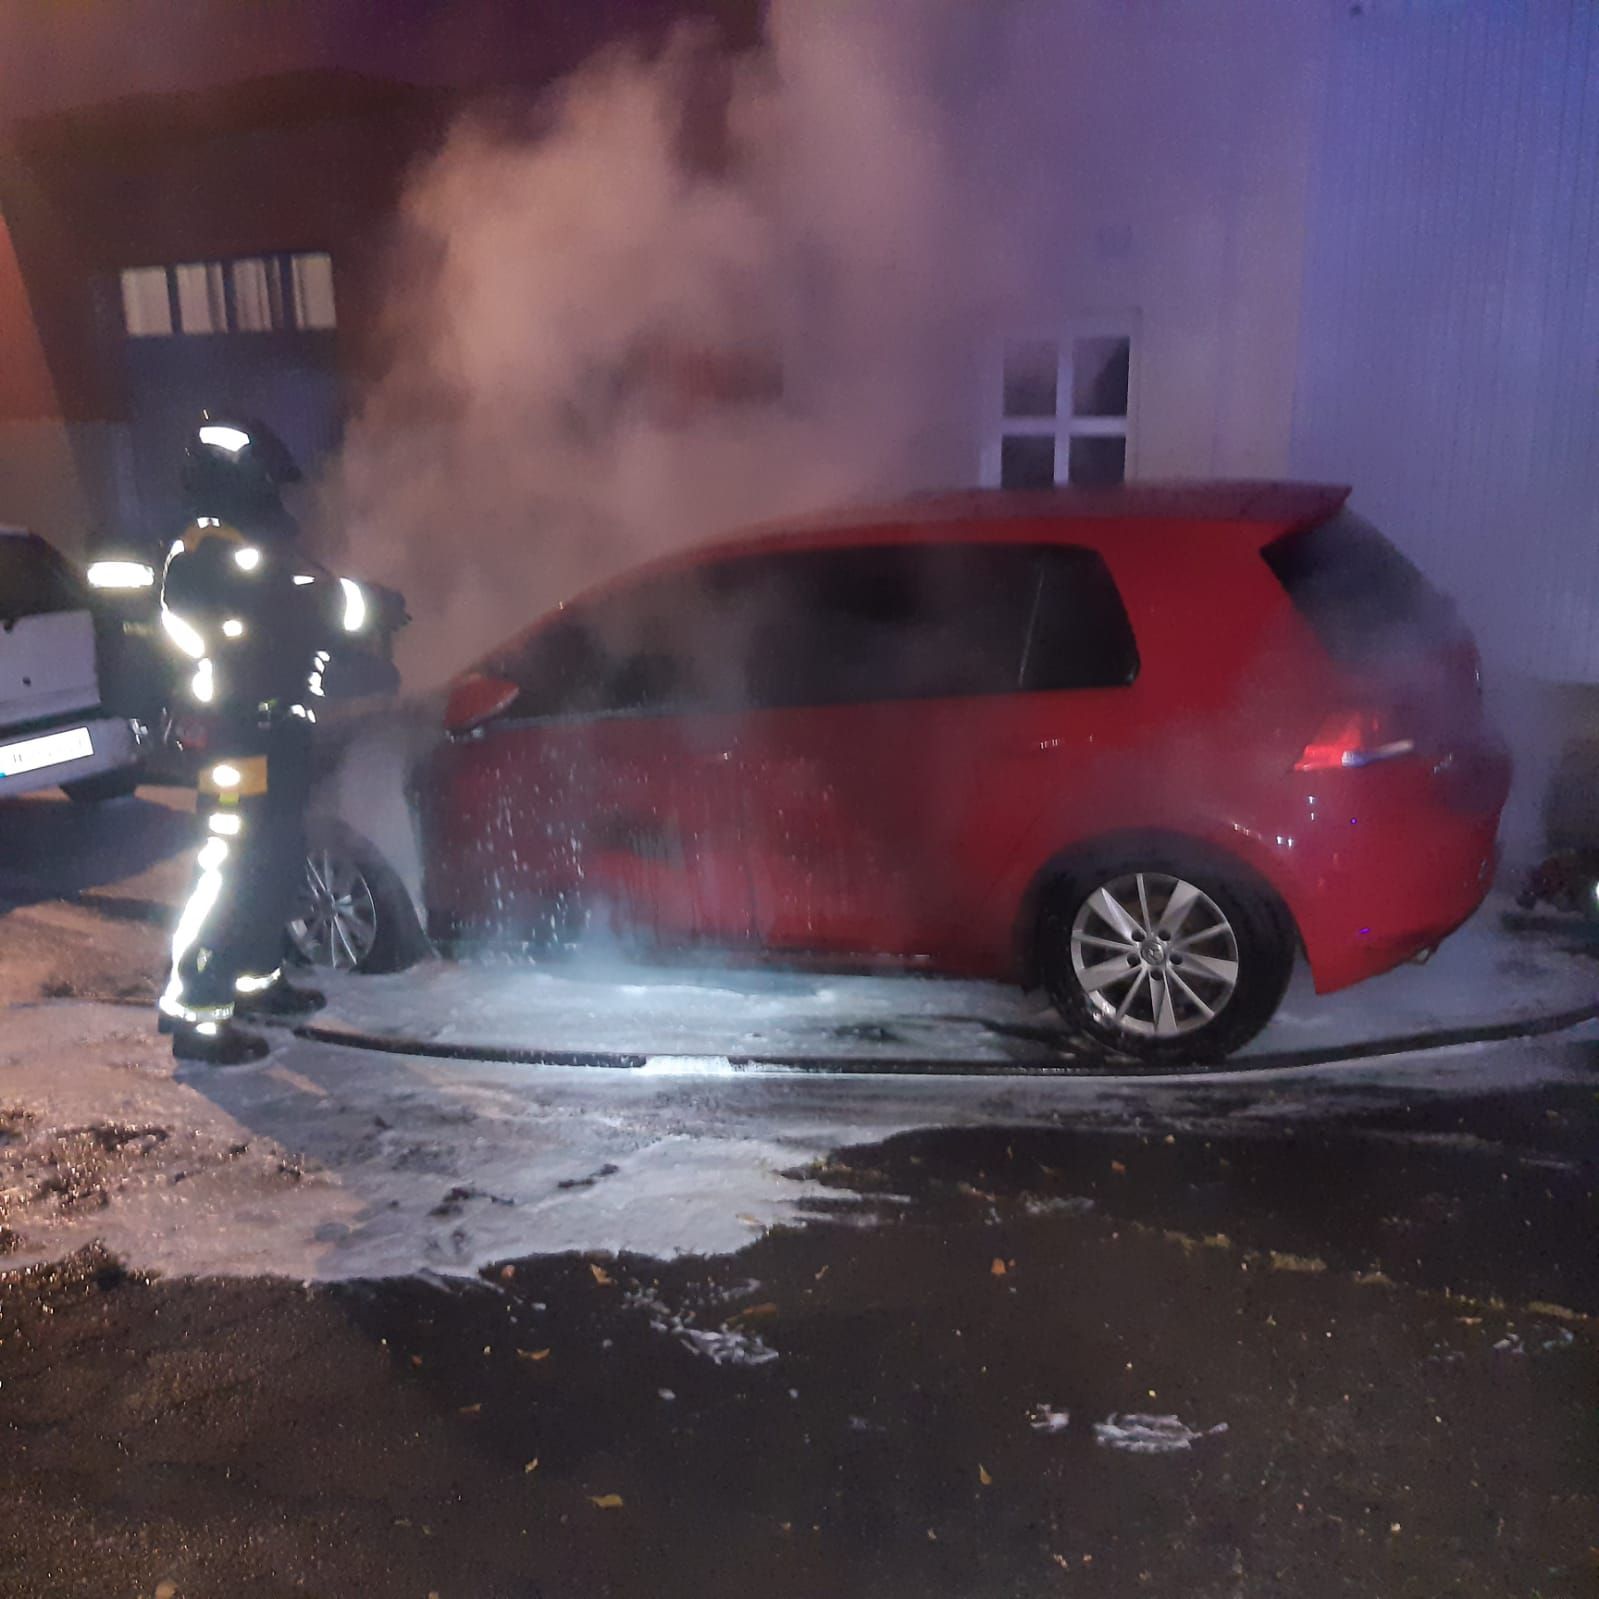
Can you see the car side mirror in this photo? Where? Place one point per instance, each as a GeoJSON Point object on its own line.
{"type": "Point", "coordinates": [476, 699]}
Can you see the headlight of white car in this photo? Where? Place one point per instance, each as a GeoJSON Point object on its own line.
{"type": "Point", "coordinates": [121, 575]}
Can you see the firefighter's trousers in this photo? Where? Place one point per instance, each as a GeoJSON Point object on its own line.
{"type": "Point", "coordinates": [229, 936]}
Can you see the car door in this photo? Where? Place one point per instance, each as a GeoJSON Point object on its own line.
{"type": "Point", "coordinates": [662, 825]}
{"type": "Point", "coordinates": [601, 793]}
{"type": "Point", "coordinates": [47, 661]}
{"type": "Point", "coordinates": [913, 704]}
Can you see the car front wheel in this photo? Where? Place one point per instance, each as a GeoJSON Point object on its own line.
{"type": "Point", "coordinates": [353, 914]}
{"type": "Point", "coordinates": [1164, 961]}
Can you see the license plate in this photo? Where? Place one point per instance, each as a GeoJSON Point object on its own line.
{"type": "Point", "coordinates": [52, 750]}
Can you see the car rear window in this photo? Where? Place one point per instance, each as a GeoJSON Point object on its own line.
{"type": "Point", "coordinates": [1363, 598]}
{"type": "Point", "coordinates": [34, 580]}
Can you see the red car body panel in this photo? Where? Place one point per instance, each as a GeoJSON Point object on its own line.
{"type": "Point", "coordinates": [920, 829]}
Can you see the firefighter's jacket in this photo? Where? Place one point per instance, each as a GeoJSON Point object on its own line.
{"type": "Point", "coordinates": [260, 624]}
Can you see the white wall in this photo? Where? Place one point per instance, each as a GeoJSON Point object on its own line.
{"type": "Point", "coordinates": [1449, 348]}
{"type": "Point", "coordinates": [1360, 242]}
{"type": "Point", "coordinates": [1150, 158]}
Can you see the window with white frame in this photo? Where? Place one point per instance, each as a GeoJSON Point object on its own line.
{"type": "Point", "coordinates": [202, 304]}
{"type": "Point", "coordinates": [257, 294]}
{"type": "Point", "coordinates": [146, 302]}
{"type": "Point", "coordinates": [1059, 409]}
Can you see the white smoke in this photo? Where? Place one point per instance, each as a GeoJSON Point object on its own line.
{"type": "Point", "coordinates": [681, 293]}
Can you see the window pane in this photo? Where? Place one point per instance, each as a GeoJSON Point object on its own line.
{"type": "Point", "coordinates": [257, 296]}
{"type": "Point", "coordinates": [660, 647]}
{"type": "Point", "coordinates": [652, 638]}
{"type": "Point", "coordinates": [834, 627]}
{"type": "Point", "coordinates": [146, 306]}
{"type": "Point", "coordinates": [969, 634]}
{"type": "Point", "coordinates": [1080, 637]}
{"type": "Point", "coordinates": [1096, 463]}
{"type": "Point", "coordinates": [1099, 376]}
{"type": "Point", "coordinates": [1027, 462]}
{"type": "Point", "coordinates": [1030, 376]}
{"type": "Point", "coordinates": [559, 669]}
{"type": "Point", "coordinates": [871, 625]}
{"type": "Point", "coordinates": [313, 291]}
{"type": "Point", "coordinates": [201, 306]}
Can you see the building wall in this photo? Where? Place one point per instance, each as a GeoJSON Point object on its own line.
{"type": "Point", "coordinates": [1150, 162]}
{"type": "Point", "coordinates": [1351, 241]}
{"type": "Point", "coordinates": [56, 56]}
{"type": "Point", "coordinates": [64, 480]}
{"type": "Point", "coordinates": [1356, 243]}
{"type": "Point", "coordinates": [316, 166]}
{"type": "Point", "coordinates": [1449, 341]}
{"type": "Point", "coordinates": [249, 129]}
{"type": "Point", "coordinates": [55, 473]}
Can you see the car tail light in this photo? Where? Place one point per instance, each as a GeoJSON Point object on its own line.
{"type": "Point", "coordinates": [1350, 739]}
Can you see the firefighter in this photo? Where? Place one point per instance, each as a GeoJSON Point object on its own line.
{"type": "Point", "coordinates": [259, 624]}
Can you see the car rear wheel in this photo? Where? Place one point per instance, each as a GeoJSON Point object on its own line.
{"type": "Point", "coordinates": [1164, 961]}
{"type": "Point", "coordinates": [353, 913]}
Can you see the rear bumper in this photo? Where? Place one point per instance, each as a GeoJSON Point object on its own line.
{"type": "Point", "coordinates": [1397, 924]}
{"type": "Point", "coordinates": [1397, 859]}
{"type": "Point", "coordinates": [117, 744]}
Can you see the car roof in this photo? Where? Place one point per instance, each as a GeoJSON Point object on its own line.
{"type": "Point", "coordinates": [1091, 517]}
{"type": "Point", "coordinates": [1273, 506]}
{"type": "Point", "coordinates": [1261, 508]}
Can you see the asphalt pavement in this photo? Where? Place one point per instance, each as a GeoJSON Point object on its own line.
{"type": "Point", "coordinates": [1352, 1357]}
{"type": "Point", "coordinates": [1284, 1335]}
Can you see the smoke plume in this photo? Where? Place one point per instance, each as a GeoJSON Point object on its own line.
{"type": "Point", "coordinates": [680, 293]}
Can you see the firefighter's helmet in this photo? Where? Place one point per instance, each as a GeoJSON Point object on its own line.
{"type": "Point", "coordinates": [235, 469]}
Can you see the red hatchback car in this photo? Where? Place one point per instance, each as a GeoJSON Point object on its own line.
{"type": "Point", "coordinates": [1138, 745]}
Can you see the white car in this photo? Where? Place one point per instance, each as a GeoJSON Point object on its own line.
{"type": "Point", "coordinates": [53, 730]}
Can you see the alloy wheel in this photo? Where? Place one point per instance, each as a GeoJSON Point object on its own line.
{"type": "Point", "coordinates": [336, 921]}
{"type": "Point", "coordinates": [1154, 955]}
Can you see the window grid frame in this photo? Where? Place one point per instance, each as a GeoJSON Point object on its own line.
{"type": "Point", "coordinates": [283, 299]}
{"type": "Point", "coordinates": [1065, 425]}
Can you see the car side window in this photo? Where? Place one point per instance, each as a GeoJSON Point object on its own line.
{"type": "Point", "coordinates": [657, 647]}
{"type": "Point", "coordinates": [558, 671]}
{"type": "Point", "coordinates": [1080, 636]}
{"type": "Point", "coordinates": [826, 627]}
{"type": "Point", "coordinates": [833, 627]}
{"type": "Point", "coordinates": [644, 651]}
{"type": "Point", "coordinates": [931, 621]}
{"type": "Point", "coordinates": [34, 580]}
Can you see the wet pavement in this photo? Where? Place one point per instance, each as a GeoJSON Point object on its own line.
{"type": "Point", "coordinates": [478, 1330]}
{"type": "Point", "coordinates": [1347, 1354]}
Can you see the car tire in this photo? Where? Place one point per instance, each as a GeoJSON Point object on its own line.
{"type": "Point", "coordinates": [96, 790]}
{"type": "Point", "coordinates": [377, 931]}
{"type": "Point", "coordinates": [1207, 956]}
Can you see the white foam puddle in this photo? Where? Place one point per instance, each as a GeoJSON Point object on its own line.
{"type": "Point", "coordinates": [687, 1066]}
{"type": "Point", "coordinates": [329, 1163]}
{"type": "Point", "coordinates": [1139, 1434]}
{"type": "Point", "coordinates": [722, 1346]}
{"type": "Point", "coordinates": [1044, 1418]}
